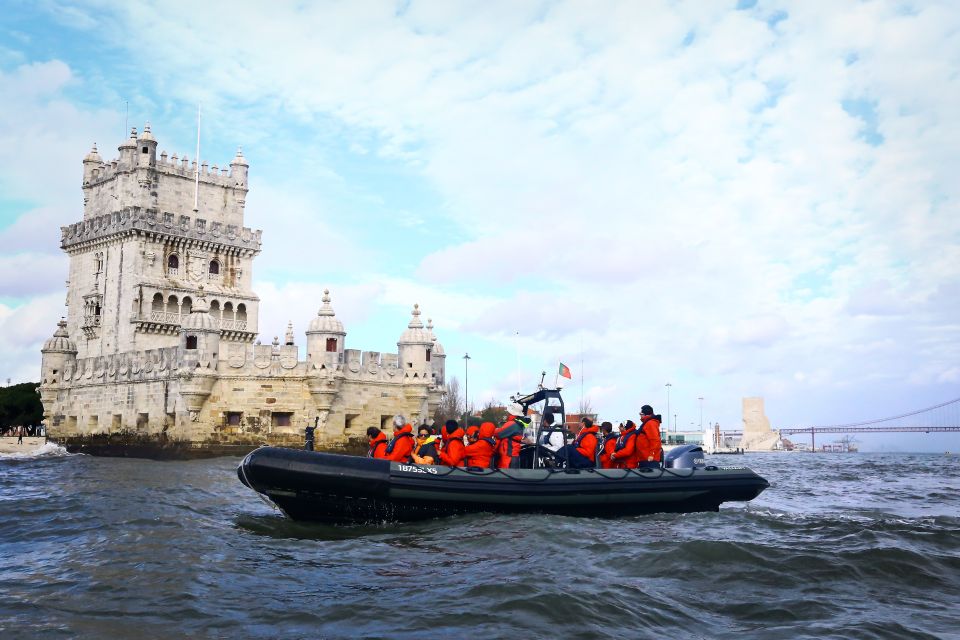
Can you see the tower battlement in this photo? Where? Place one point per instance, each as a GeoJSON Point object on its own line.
{"type": "Point", "coordinates": [135, 218]}
{"type": "Point", "coordinates": [139, 177]}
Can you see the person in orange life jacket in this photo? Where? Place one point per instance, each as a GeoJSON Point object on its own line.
{"type": "Point", "coordinates": [479, 451]}
{"type": "Point", "coordinates": [650, 449]}
{"type": "Point", "coordinates": [378, 443]}
{"type": "Point", "coordinates": [510, 435]}
{"type": "Point", "coordinates": [626, 454]}
{"type": "Point", "coordinates": [580, 454]}
{"type": "Point", "coordinates": [608, 442]}
{"type": "Point", "coordinates": [452, 452]}
{"type": "Point", "coordinates": [425, 447]}
{"type": "Point", "coordinates": [401, 444]}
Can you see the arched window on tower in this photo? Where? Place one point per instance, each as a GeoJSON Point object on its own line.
{"type": "Point", "coordinates": [173, 264]}
{"type": "Point", "coordinates": [331, 345]}
{"type": "Point", "coordinates": [428, 355]}
{"type": "Point", "coordinates": [214, 270]}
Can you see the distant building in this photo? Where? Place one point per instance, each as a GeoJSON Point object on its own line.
{"type": "Point", "coordinates": [159, 339]}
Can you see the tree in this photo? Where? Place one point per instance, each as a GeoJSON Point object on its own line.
{"type": "Point", "coordinates": [451, 407]}
{"type": "Point", "coordinates": [20, 405]}
{"type": "Point", "coordinates": [585, 408]}
{"type": "Point", "coordinates": [493, 412]}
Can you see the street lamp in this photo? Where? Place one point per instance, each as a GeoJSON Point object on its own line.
{"type": "Point", "coordinates": [466, 386]}
{"type": "Point", "coordinates": [701, 412]}
{"type": "Point", "coordinates": [668, 385]}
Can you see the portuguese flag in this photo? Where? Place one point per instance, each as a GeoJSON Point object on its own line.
{"type": "Point", "coordinates": [564, 371]}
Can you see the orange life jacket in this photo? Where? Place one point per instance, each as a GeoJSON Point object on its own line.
{"type": "Point", "coordinates": [378, 446]}
{"type": "Point", "coordinates": [452, 452]}
{"type": "Point", "coordinates": [648, 440]}
{"type": "Point", "coordinates": [401, 444]}
{"type": "Point", "coordinates": [626, 454]}
{"type": "Point", "coordinates": [480, 453]}
{"type": "Point", "coordinates": [586, 442]}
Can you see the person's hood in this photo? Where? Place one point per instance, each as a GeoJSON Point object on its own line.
{"type": "Point", "coordinates": [399, 431]}
{"type": "Point", "coordinates": [487, 429]}
{"type": "Point", "coordinates": [456, 434]}
{"type": "Point", "coordinates": [380, 437]}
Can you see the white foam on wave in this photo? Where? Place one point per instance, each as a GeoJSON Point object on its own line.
{"type": "Point", "coordinates": [47, 450]}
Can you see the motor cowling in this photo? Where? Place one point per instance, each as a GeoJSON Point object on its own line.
{"type": "Point", "coordinates": [688, 456]}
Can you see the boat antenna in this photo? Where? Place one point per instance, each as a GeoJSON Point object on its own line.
{"type": "Point", "coordinates": [543, 375]}
{"type": "Point", "coordinates": [582, 371]}
{"type": "Point", "coordinates": [196, 174]}
{"type": "Point", "coordinates": [517, 344]}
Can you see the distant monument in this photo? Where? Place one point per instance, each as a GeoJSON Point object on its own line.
{"type": "Point", "coordinates": [757, 434]}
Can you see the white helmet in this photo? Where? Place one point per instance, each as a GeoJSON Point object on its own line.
{"type": "Point", "coordinates": [515, 409]}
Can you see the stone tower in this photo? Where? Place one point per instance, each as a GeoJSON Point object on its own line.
{"type": "Point", "coordinates": [154, 230]}
{"type": "Point", "coordinates": [156, 356]}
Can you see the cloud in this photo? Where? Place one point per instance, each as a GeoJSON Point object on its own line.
{"type": "Point", "coordinates": [722, 198]}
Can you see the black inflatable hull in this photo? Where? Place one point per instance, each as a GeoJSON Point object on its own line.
{"type": "Point", "coordinates": [348, 489]}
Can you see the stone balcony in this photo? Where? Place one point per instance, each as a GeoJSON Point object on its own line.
{"type": "Point", "coordinates": [169, 322]}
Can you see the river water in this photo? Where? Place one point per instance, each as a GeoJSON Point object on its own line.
{"type": "Point", "coordinates": [840, 546]}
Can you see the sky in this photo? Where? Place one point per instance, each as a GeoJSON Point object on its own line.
{"type": "Point", "coordinates": [736, 198]}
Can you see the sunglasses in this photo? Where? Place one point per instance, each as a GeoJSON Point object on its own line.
{"type": "Point", "coordinates": [423, 435]}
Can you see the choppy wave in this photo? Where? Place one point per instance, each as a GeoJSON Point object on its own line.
{"type": "Point", "coordinates": [46, 450]}
{"type": "Point", "coordinates": [838, 547]}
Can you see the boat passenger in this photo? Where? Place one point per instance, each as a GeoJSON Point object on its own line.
{"type": "Point", "coordinates": [608, 442]}
{"type": "Point", "coordinates": [452, 452]}
{"type": "Point", "coordinates": [510, 436]}
{"type": "Point", "coordinates": [378, 443]}
{"type": "Point", "coordinates": [425, 447]}
{"type": "Point", "coordinates": [479, 451]}
{"type": "Point", "coordinates": [551, 436]}
{"type": "Point", "coordinates": [648, 439]}
{"type": "Point", "coordinates": [581, 453]}
{"type": "Point", "coordinates": [626, 454]}
{"type": "Point", "coordinates": [401, 444]}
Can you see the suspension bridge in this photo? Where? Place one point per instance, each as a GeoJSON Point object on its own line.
{"type": "Point", "coordinates": [939, 418]}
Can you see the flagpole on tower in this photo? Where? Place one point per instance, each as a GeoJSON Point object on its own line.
{"type": "Point", "coordinates": [196, 183]}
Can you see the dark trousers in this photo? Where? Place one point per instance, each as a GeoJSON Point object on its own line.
{"type": "Point", "coordinates": [573, 458]}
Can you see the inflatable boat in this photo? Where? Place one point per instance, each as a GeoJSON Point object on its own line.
{"type": "Point", "coordinates": [325, 487]}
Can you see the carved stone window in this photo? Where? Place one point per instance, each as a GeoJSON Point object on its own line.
{"type": "Point", "coordinates": [191, 342]}
{"type": "Point", "coordinates": [173, 264]}
{"type": "Point", "coordinates": [428, 355]}
{"type": "Point", "coordinates": [331, 345]}
{"type": "Point", "coordinates": [214, 267]}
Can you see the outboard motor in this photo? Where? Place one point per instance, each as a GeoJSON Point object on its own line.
{"type": "Point", "coordinates": [688, 456]}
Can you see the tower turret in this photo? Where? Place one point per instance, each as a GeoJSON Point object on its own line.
{"type": "Point", "coordinates": [200, 336]}
{"type": "Point", "coordinates": [415, 348]}
{"type": "Point", "coordinates": [146, 148]}
{"type": "Point", "coordinates": [91, 164]}
{"type": "Point", "coordinates": [57, 352]}
{"type": "Point", "coordinates": [128, 150]}
{"type": "Point", "coordinates": [438, 358]}
{"type": "Point", "coordinates": [325, 335]}
{"type": "Point", "coordinates": [239, 169]}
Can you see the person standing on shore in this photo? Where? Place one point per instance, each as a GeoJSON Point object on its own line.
{"type": "Point", "coordinates": [648, 439]}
